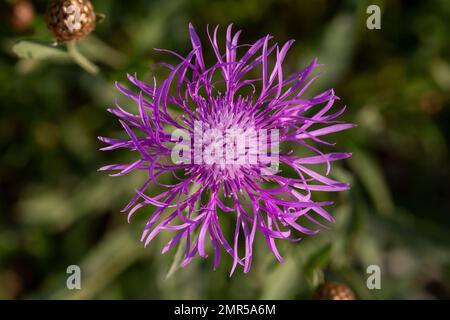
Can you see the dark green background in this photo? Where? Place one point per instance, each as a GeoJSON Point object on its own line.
{"type": "Point", "coordinates": [57, 210]}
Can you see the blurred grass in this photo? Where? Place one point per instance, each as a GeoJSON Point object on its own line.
{"type": "Point", "coordinates": [56, 210]}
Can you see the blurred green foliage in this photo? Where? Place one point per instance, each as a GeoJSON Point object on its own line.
{"type": "Point", "coordinates": [57, 210]}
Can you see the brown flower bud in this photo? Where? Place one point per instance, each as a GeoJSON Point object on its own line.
{"type": "Point", "coordinates": [70, 20]}
{"type": "Point", "coordinates": [333, 291]}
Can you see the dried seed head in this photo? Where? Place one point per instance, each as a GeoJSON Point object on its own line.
{"type": "Point", "coordinates": [70, 20]}
{"type": "Point", "coordinates": [333, 291]}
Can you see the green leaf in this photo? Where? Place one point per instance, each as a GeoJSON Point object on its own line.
{"type": "Point", "coordinates": [38, 51]}
{"type": "Point", "coordinates": [317, 261]}
{"type": "Point", "coordinates": [372, 177]}
{"type": "Point", "coordinates": [283, 281]}
{"type": "Point", "coordinates": [337, 47]}
{"type": "Point", "coordinates": [178, 257]}
{"type": "Point", "coordinates": [319, 258]}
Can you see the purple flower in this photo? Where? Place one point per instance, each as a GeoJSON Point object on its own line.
{"type": "Point", "coordinates": [245, 89]}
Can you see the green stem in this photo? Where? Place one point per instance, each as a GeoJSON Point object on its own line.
{"type": "Point", "coordinates": [80, 59]}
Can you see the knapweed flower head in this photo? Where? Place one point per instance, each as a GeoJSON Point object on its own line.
{"type": "Point", "coordinates": [220, 132]}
